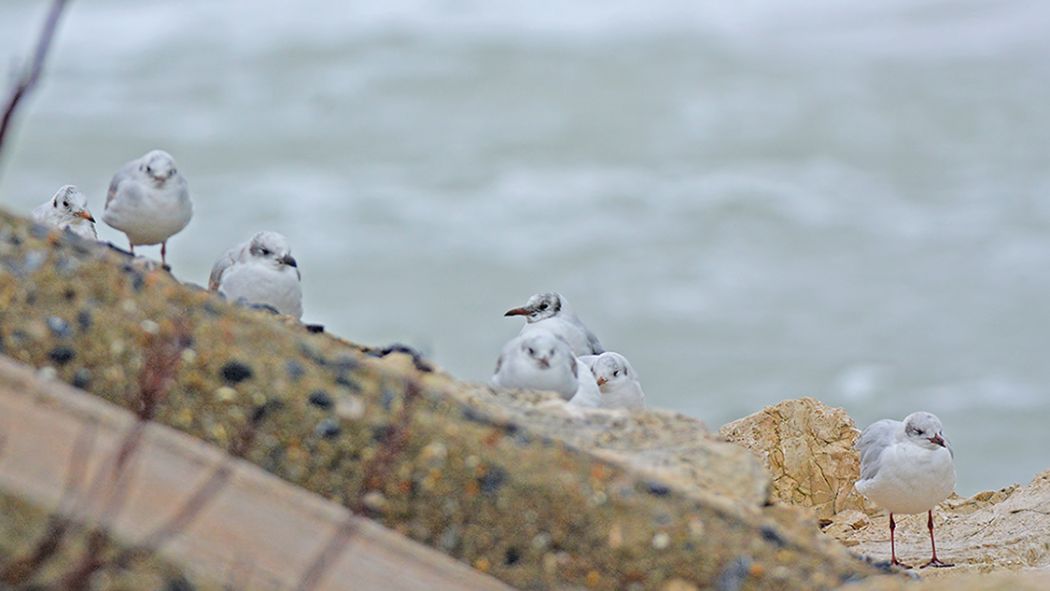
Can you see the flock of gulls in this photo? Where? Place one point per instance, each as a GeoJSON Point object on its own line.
{"type": "Point", "coordinates": [149, 201]}
{"type": "Point", "coordinates": [906, 466]}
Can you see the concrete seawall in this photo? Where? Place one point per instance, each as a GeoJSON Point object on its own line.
{"type": "Point", "coordinates": [534, 496]}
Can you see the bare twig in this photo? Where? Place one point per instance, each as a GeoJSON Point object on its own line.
{"type": "Point", "coordinates": [23, 569]}
{"type": "Point", "coordinates": [29, 78]}
{"type": "Point", "coordinates": [190, 509]}
{"type": "Point", "coordinates": [376, 471]}
{"type": "Point", "coordinates": [327, 556]}
{"type": "Point", "coordinates": [26, 567]}
{"type": "Point", "coordinates": [79, 577]}
{"type": "Point", "coordinates": [162, 356]}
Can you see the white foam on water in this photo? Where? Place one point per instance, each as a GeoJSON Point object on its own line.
{"type": "Point", "coordinates": [753, 200]}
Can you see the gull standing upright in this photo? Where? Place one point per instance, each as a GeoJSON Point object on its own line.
{"type": "Point", "coordinates": [543, 361]}
{"type": "Point", "coordinates": [551, 312]}
{"type": "Point", "coordinates": [67, 209]}
{"type": "Point", "coordinates": [149, 201]}
{"type": "Point", "coordinates": [907, 467]}
{"type": "Point", "coordinates": [617, 381]}
{"type": "Point", "coordinates": [260, 271]}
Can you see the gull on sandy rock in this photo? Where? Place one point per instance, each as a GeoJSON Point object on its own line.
{"type": "Point", "coordinates": [543, 361]}
{"type": "Point", "coordinates": [551, 312]}
{"type": "Point", "coordinates": [149, 201]}
{"type": "Point", "coordinates": [260, 271]}
{"type": "Point", "coordinates": [907, 467]}
{"type": "Point", "coordinates": [67, 209]}
{"type": "Point", "coordinates": [617, 381]}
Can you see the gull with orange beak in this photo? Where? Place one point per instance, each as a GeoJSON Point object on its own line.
{"type": "Point", "coordinates": [149, 201]}
{"type": "Point", "coordinates": [617, 381]}
{"type": "Point", "coordinates": [907, 467]}
{"type": "Point", "coordinates": [551, 312]}
{"type": "Point", "coordinates": [67, 209]}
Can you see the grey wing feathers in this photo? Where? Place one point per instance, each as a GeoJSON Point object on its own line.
{"type": "Point", "coordinates": [592, 342]}
{"type": "Point", "coordinates": [872, 442]}
{"type": "Point", "coordinates": [114, 185]}
{"type": "Point", "coordinates": [225, 262]}
{"type": "Point", "coordinates": [216, 272]}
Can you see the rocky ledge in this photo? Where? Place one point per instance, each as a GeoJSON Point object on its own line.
{"type": "Point", "coordinates": [514, 484]}
{"type": "Point", "coordinates": [808, 449]}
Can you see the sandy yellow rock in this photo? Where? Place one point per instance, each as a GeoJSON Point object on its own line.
{"type": "Point", "coordinates": [807, 447]}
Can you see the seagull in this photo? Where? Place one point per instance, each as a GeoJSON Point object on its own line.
{"type": "Point", "coordinates": [617, 381]}
{"type": "Point", "coordinates": [551, 312]}
{"type": "Point", "coordinates": [260, 271]}
{"type": "Point", "coordinates": [67, 209]}
{"type": "Point", "coordinates": [543, 361]}
{"type": "Point", "coordinates": [149, 201]}
{"type": "Point", "coordinates": [907, 467]}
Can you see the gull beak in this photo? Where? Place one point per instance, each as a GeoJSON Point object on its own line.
{"type": "Point", "coordinates": [83, 213]}
{"type": "Point", "coordinates": [516, 312]}
{"type": "Point", "coordinates": [544, 362]}
{"type": "Point", "coordinates": [937, 439]}
{"type": "Point", "coordinates": [601, 381]}
{"type": "Point", "coordinates": [288, 260]}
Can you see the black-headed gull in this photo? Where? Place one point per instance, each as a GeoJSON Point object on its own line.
{"type": "Point", "coordinates": [551, 312]}
{"type": "Point", "coordinates": [260, 271]}
{"type": "Point", "coordinates": [907, 467]}
{"type": "Point", "coordinates": [617, 380]}
{"type": "Point", "coordinates": [67, 209]}
{"type": "Point", "coordinates": [149, 201]}
{"type": "Point", "coordinates": [544, 361]}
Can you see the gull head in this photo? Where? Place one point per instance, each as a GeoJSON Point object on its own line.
{"type": "Point", "coordinates": [612, 369]}
{"type": "Point", "coordinates": [544, 350]}
{"type": "Point", "coordinates": [158, 166]}
{"type": "Point", "coordinates": [539, 307]}
{"type": "Point", "coordinates": [273, 248]}
{"type": "Point", "coordinates": [925, 430]}
{"type": "Point", "coordinates": [70, 202]}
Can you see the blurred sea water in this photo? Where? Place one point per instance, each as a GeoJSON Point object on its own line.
{"type": "Point", "coordinates": [753, 201]}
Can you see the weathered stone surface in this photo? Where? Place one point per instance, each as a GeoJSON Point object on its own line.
{"type": "Point", "coordinates": [671, 448]}
{"type": "Point", "coordinates": [1008, 581]}
{"type": "Point", "coordinates": [522, 490]}
{"type": "Point", "coordinates": [1005, 529]}
{"type": "Point", "coordinates": [807, 447]}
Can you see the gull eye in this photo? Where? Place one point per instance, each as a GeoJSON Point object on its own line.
{"type": "Point", "coordinates": [266, 252]}
{"type": "Point", "coordinates": [149, 170]}
{"type": "Point", "coordinates": [544, 306]}
{"type": "Point", "coordinates": [65, 204]}
{"type": "Point", "coordinates": [173, 171]}
{"type": "Point", "coordinates": [616, 373]}
{"type": "Point", "coordinates": [531, 351]}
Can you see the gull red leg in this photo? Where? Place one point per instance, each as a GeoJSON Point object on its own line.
{"type": "Point", "coordinates": [933, 545]}
{"type": "Point", "coordinates": [893, 546]}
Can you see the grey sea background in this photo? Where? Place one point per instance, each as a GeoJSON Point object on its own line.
{"type": "Point", "coordinates": [753, 200]}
